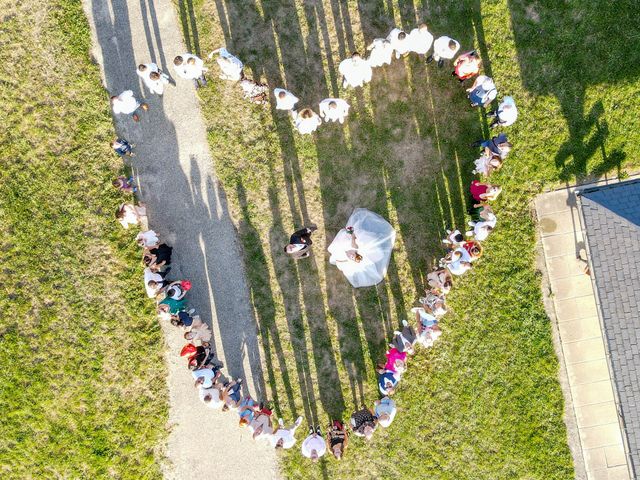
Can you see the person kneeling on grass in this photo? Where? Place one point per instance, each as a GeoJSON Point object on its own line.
{"type": "Point", "coordinates": [364, 423]}
{"type": "Point", "coordinates": [337, 438]}
{"type": "Point", "coordinates": [385, 410]}
{"type": "Point", "coordinates": [314, 446]}
{"type": "Point", "coordinates": [284, 437]}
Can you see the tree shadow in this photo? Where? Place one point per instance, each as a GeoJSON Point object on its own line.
{"type": "Point", "coordinates": [594, 43]}
{"type": "Point", "coordinates": [189, 26]}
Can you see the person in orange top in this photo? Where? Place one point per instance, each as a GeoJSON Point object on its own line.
{"type": "Point", "coordinates": [466, 66]}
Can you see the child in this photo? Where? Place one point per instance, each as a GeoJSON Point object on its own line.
{"type": "Point", "coordinates": [124, 184]}
{"type": "Point", "coordinates": [122, 147]}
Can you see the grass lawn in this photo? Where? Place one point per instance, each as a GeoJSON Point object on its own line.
{"type": "Point", "coordinates": [82, 389]}
{"type": "Point", "coordinates": [485, 401]}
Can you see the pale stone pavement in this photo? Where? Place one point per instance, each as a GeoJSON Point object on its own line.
{"type": "Point", "coordinates": [590, 393]}
{"type": "Point", "coordinates": [188, 209]}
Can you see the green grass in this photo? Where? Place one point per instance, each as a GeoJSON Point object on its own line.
{"type": "Point", "coordinates": [82, 388]}
{"type": "Point", "coordinates": [485, 402]}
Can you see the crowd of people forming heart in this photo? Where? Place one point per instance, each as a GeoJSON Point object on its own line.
{"type": "Point", "coordinates": [216, 390]}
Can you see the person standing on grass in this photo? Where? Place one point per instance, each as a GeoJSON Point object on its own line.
{"type": "Point", "coordinates": [337, 438]}
{"type": "Point", "coordinates": [191, 67]}
{"type": "Point", "coordinates": [385, 409]}
{"type": "Point", "coordinates": [482, 92]}
{"type": "Point", "coordinates": [300, 243]}
{"type": "Point", "coordinates": [314, 446]}
{"type": "Point", "coordinates": [506, 114]}
{"type": "Point", "coordinates": [364, 423]}
{"type": "Point", "coordinates": [381, 52]}
{"type": "Point", "coordinates": [122, 147]}
{"type": "Point", "coordinates": [152, 77]}
{"type": "Point", "coordinates": [420, 40]}
{"type": "Point", "coordinates": [285, 100]}
{"type": "Point", "coordinates": [306, 121]}
{"type": "Point", "coordinates": [231, 66]}
{"type": "Point", "coordinates": [127, 104]}
{"type": "Point", "coordinates": [285, 437]}
{"type": "Point", "coordinates": [444, 48]}
{"type": "Point", "coordinates": [355, 71]}
{"type": "Point", "coordinates": [400, 42]}
{"type": "Point", "coordinates": [334, 110]}
{"type": "Point", "coordinates": [466, 66]}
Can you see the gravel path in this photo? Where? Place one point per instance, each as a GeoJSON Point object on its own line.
{"type": "Point", "coordinates": [188, 209]}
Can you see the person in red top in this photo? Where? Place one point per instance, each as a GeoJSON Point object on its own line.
{"type": "Point", "coordinates": [466, 66]}
{"type": "Point", "coordinates": [484, 192]}
{"type": "Point", "coordinates": [474, 249]}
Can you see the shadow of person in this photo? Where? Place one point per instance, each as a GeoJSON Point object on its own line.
{"type": "Point", "coordinates": [563, 49]}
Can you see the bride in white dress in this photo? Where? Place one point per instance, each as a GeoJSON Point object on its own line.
{"type": "Point", "coordinates": [362, 250]}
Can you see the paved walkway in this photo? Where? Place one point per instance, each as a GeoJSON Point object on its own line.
{"type": "Point", "coordinates": [590, 394]}
{"type": "Point", "coordinates": [188, 209]}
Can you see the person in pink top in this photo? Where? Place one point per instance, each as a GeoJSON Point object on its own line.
{"type": "Point", "coordinates": [396, 361]}
{"type": "Point", "coordinates": [484, 192]}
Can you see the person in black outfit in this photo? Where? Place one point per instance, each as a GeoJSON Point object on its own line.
{"type": "Point", "coordinates": [300, 243]}
{"type": "Point", "coordinates": [337, 437]}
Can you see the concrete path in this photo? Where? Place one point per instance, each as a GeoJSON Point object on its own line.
{"type": "Point", "coordinates": [599, 452]}
{"type": "Point", "coordinates": [188, 209]}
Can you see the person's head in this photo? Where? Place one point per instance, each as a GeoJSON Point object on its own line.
{"type": "Point", "coordinates": [282, 94]}
{"type": "Point", "coordinates": [505, 147]}
{"type": "Point", "coordinates": [280, 443]}
{"type": "Point", "coordinates": [384, 420]}
{"type": "Point", "coordinates": [189, 335]}
{"type": "Point", "coordinates": [113, 98]}
{"type": "Point", "coordinates": [475, 251]}
{"type": "Point", "coordinates": [494, 191]}
{"type": "Point", "coordinates": [207, 398]}
{"type": "Point", "coordinates": [333, 104]}
{"type": "Point", "coordinates": [423, 27]}
{"type": "Point", "coordinates": [154, 76]}
{"type": "Point", "coordinates": [456, 255]}
{"type": "Point", "coordinates": [337, 451]}
{"type": "Point", "coordinates": [447, 284]}
{"type": "Point", "coordinates": [487, 228]}
{"type": "Point", "coordinates": [453, 45]}
{"type": "Point", "coordinates": [225, 407]}
{"type": "Point", "coordinates": [191, 61]}
{"type": "Point", "coordinates": [142, 67]}
{"type": "Point", "coordinates": [355, 56]}
{"type": "Point", "coordinates": [178, 61]}
{"type": "Point", "coordinates": [368, 432]}
{"type": "Point", "coordinates": [199, 381]}
{"type": "Point", "coordinates": [402, 36]}
{"type": "Point", "coordinates": [306, 113]}
{"type": "Point", "coordinates": [314, 455]}
{"type": "Point", "coordinates": [289, 248]}
{"type": "Point", "coordinates": [244, 421]}
{"type": "Point", "coordinates": [118, 183]}
{"type": "Point", "coordinates": [147, 259]}
{"type": "Point", "coordinates": [400, 366]}
{"type": "Point", "coordinates": [120, 212]}
{"type": "Point", "coordinates": [152, 284]}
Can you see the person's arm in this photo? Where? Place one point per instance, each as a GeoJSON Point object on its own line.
{"type": "Point", "coordinates": [353, 241]}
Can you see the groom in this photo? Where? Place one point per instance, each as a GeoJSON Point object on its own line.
{"type": "Point", "coordinates": [300, 243]}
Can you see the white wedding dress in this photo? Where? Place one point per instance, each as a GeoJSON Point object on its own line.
{"type": "Point", "coordinates": [375, 238]}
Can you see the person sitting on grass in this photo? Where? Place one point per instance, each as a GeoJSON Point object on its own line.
{"type": "Point", "coordinates": [158, 257]}
{"type": "Point", "coordinates": [484, 192]}
{"type": "Point", "coordinates": [314, 446]}
{"type": "Point", "coordinates": [482, 92]}
{"type": "Point", "coordinates": [466, 66]}
{"type": "Point", "coordinates": [254, 92]}
{"type": "Point", "coordinates": [497, 146]}
{"type": "Point", "coordinates": [337, 438]}
{"type": "Point", "coordinates": [124, 184]}
{"type": "Point", "coordinates": [306, 121]}
{"type": "Point", "coordinates": [428, 333]}
{"type": "Point", "coordinates": [154, 282]}
{"type": "Point", "coordinates": [454, 238]}
{"type": "Point", "coordinates": [458, 262]}
{"type": "Point", "coordinates": [381, 52]}
{"type": "Point", "coordinates": [300, 242]}
{"type": "Point", "coordinates": [355, 71]}
{"type": "Point", "coordinates": [387, 382]}
{"type": "Point", "coordinates": [404, 340]}
{"type": "Point", "coordinates": [385, 410]}
{"type": "Point", "coordinates": [128, 214]}
{"type": "Point", "coordinates": [484, 226]}
{"type": "Point", "coordinates": [364, 423]}
{"type": "Point", "coordinates": [147, 239]}
{"type": "Point", "coordinates": [487, 164]}
{"type": "Point", "coordinates": [444, 48]}
{"type": "Point", "coordinates": [285, 100]}
{"type": "Point", "coordinates": [285, 437]}
{"type": "Point", "coordinates": [122, 147]}
{"type": "Point", "coordinates": [474, 249]}
{"type": "Point", "coordinates": [334, 110]}
{"type": "Point", "coordinates": [396, 362]}
{"type": "Point", "coordinates": [434, 302]}
{"type": "Point", "coordinates": [440, 280]}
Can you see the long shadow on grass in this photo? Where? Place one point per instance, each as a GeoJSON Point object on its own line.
{"type": "Point", "coordinates": [565, 48]}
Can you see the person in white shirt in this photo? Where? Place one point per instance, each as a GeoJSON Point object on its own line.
{"type": "Point", "coordinates": [459, 262]}
{"type": "Point", "coordinates": [483, 227]}
{"type": "Point", "coordinates": [126, 103]}
{"type": "Point", "coordinates": [153, 282]}
{"type": "Point", "coordinates": [190, 67]}
{"type": "Point", "coordinates": [306, 121]}
{"type": "Point", "coordinates": [420, 40]}
{"type": "Point", "coordinates": [314, 446]}
{"type": "Point", "coordinates": [128, 214]}
{"type": "Point", "coordinates": [506, 114]}
{"type": "Point", "coordinates": [385, 410]}
{"type": "Point", "coordinates": [399, 41]}
{"type": "Point", "coordinates": [211, 396]}
{"type": "Point", "coordinates": [284, 437]}
{"type": "Point", "coordinates": [152, 77]}
{"type": "Point", "coordinates": [334, 110]}
{"type": "Point", "coordinates": [355, 70]}
{"type": "Point", "coordinates": [205, 377]}
{"type": "Point", "coordinates": [230, 65]}
{"type": "Point", "coordinates": [482, 92]}
{"type": "Point", "coordinates": [444, 48]}
{"type": "Point", "coordinates": [285, 100]}
{"type": "Point", "coordinates": [148, 239]}
{"type": "Point", "coordinates": [381, 52]}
